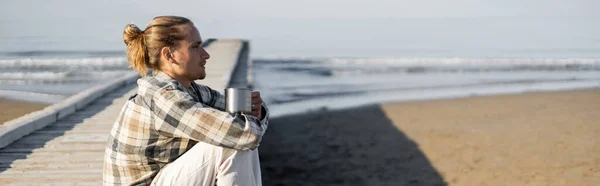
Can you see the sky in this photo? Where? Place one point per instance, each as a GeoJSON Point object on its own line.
{"type": "Point", "coordinates": [377, 28]}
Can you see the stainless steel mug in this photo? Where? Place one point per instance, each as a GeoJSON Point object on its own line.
{"type": "Point", "coordinates": [238, 100]}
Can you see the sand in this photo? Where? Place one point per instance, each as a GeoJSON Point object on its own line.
{"type": "Point", "coordinates": [525, 139]}
{"type": "Point", "coordinates": [12, 109]}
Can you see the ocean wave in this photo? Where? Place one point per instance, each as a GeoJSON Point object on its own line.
{"type": "Point", "coordinates": [42, 53]}
{"type": "Point", "coordinates": [46, 81]}
{"type": "Point", "coordinates": [321, 71]}
{"type": "Point", "coordinates": [351, 67]}
{"type": "Point", "coordinates": [431, 61]}
{"type": "Point", "coordinates": [32, 62]}
{"type": "Point", "coordinates": [337, 71]}
{"type": "Point", "coordinates": [69, 77]}
{"type": "Point", "coordinates": [34, 75]}
{"type": "Point", "coordinates": [60, 75]}
{"type": "Point", "coordinates": [466, 69]}
{"type": "Point", "coordinates": [302, 93]}
{"type": "Point", "coordinates": [32, 96]}
{"type": "Point", "coordinates": [464, 61]}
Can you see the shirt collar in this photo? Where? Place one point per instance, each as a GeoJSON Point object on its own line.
{"type": "Point", "coordinates": [163, 77]}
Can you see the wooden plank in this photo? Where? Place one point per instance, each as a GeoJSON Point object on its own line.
{"type": "Point", "coordinates": [58, 178]}
{"type": "Point", "coordinates": [56, 172]}
{"type": "Point", "coordinates": [47, 182]}
{"type": "Point", "coordinates": [52, 165]}
{"type": "Point", "coordinates": [91, 148]}
{"type": "Point", "coordinates": [74, 146]}
{"type": "Point", "coordinates": [37, 159]}
{"type": "Point", "coordinates": [23, 163]}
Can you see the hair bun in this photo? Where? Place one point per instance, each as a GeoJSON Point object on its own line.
{"type": "Point", "coordinates": [131, 33]}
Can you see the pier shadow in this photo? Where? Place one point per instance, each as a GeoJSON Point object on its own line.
{"type": "Point", "coordinates": [357, 146]}
{"type": "Point", "coordinates": [23, 147]}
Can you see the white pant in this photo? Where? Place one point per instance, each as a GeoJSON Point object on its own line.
{"type": "Point", "coordinates": [206, 164]}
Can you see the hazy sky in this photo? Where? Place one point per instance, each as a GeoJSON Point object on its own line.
{"type": "Point", "coordinates": [306, 25]}
{"type": "Point", "coordinates": [127, 9]}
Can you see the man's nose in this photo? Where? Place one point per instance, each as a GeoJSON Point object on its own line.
{"type": "Point", "coordinates": [205, 54]}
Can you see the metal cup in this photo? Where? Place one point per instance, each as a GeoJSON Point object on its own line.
{"type": "Point", "coordinates": [238, 100]}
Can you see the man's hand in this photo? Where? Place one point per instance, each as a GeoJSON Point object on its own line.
{"type": "Point", "coordinates": [256, 105]}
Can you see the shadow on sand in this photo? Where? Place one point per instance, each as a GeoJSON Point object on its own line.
{"type": "Point", "coordinates": [358, 146]}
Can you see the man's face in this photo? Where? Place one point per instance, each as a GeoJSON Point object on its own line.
{"type": "Point", "coordinates": [190, 55]}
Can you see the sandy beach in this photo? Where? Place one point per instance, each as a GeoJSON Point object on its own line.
{"type": "Point", "coordinates": [12, 109]}
{"type": "Point", "coordinates": [550, 138]}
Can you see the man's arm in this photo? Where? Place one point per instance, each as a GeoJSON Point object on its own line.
{"type": "Point", "coordinates": [179, 115]}
{"type": "Point", "coordinates": [212, 97]}
{"type": "Point", "coordinates": [218, 101]}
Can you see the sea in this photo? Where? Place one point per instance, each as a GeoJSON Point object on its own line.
{"type": "Point", "coordinates": [295, 85]}
{"type": "Point", "coordinates": [329, 76]}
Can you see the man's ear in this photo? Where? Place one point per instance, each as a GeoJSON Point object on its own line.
{"type": "Point", "coordinates": [166, 53]}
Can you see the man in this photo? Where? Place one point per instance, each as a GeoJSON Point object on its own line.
{"type": "Point", "coordinates": [174, 131]}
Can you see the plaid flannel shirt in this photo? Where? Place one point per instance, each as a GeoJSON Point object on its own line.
{"type": "Point", "coordinates": [164, 120]}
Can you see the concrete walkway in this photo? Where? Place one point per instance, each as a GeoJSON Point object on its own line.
{"type": "Point", "coordinates": [71, 150]}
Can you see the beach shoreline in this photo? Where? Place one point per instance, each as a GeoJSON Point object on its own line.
{"type": "Point", "coordinates": [532, 138]}
{"type": "Point", "coordinates": [14, 109]}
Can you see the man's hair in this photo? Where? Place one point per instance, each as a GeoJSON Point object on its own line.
{"type": "Point", "coordinates": [143, 47]}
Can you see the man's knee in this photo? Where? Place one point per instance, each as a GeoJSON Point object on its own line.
{"type": "Point", "coordinates": [240, 167]}
{"type": "Point", "coordinates": [197, 166]}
